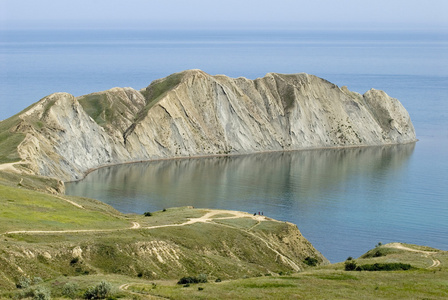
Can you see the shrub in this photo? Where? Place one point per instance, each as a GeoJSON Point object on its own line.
{"type": "Point", "coordinates": [350, 265]}
{"type": "Point", "coordinates": [218, 280]}
{"type": "Point", "coordinates": [74, 260]}
{"type": "Point", "coordinates": [202, 278]}
{"type": "Point", "coordinates": [384, 267]}
{"type": "Point", "coordinates": [101, 291]}
{"type": "Point", "coordinates": [147, 214]}
{"type": "Point", "coordinates": [378, 253]}
{"type": "Point", "coordinates": [37, 280]}
{"type": "Point", "coordinates": [186, 280]}
{"type": "Point", "coordinates": [41, 293]}
{"type": "Point", "coordinates": [70, 290]}
{"type": "Point", "coordinates": [23, 282]}
{"type": "Point", "coordinates": [311, 261]}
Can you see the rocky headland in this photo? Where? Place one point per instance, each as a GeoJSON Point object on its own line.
{"type": "Point", "coordinates": [195, 114]}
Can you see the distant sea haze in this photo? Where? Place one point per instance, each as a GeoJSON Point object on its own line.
{"type": "Point", "coordinates": [343, 201]}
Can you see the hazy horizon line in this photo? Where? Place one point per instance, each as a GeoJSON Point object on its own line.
{"type": "Point", "coordinates": [91, 25]}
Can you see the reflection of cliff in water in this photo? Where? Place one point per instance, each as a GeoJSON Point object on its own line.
{"type": "Point", "coordinates": [281, 177]}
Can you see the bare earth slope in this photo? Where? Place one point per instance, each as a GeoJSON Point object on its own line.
{"type": "Point", "coordinates": [193, 114]}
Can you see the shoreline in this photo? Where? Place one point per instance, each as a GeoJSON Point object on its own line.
{"type": "Point", "coordinates": [233, 155]}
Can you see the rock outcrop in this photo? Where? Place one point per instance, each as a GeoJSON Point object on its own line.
{"type": "Point", "coordinates": [195, 114]}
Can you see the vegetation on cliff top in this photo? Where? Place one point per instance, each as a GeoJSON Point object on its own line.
{"type": "Point", "coordinates": [9, 140]}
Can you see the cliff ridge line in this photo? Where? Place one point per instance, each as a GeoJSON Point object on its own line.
{"type": "Point", "coordinates": [192, 113]}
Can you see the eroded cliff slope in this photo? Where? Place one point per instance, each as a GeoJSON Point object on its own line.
{"type": "Point", "coordinates": [193, 113]}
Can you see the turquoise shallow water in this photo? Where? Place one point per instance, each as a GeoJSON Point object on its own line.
{"type": "Point", "coordinates": [343, 201]}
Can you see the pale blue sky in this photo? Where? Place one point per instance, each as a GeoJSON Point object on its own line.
{"type": "Point", "coordinates": [246, 14]}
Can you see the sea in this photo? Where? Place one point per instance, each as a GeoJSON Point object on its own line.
{"type": "Point", "coordinates": [344, 201]}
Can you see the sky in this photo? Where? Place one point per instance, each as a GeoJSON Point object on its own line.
{"type": "Point", "coordinates": [229, 14]}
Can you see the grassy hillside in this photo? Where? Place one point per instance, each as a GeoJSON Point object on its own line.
{"type": "Point", "coordinates": [49, 237]}
{"type": "Point", "coordinates": [423, 281]}
{"type": "Point", "coordinates": [52, 243]}
{"type": "Point", "coordinates": [9, 140]}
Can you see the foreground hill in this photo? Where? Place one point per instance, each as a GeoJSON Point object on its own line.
{"type": "Point", "coordinates": [49, 236]}
{"type": "Point", "coordinates": [193, 114]}
{"type": "Point", "coordinates": [66, 245]}
{"type": "Point", "coordinates": [426, 278]}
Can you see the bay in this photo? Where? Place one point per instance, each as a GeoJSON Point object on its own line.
{"type": "Point", "coordinates": [343, 201]}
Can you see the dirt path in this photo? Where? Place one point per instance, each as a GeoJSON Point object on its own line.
{"type": "Point", "coordinates": [135, 225]}
{"type": "Point", "coordinates": [435, 261]}
{"type": "Point", "coordinates": [125, 287]}
{"type": "Point", "coordinates": [69, 201]}
{"type": "Point", "coordinates": [206, 218]}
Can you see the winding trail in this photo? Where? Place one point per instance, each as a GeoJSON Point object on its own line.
{"type": "Point", "coordinates": [135, 225]}
{"type": "Point", "coordinates": [124, 288]}
{"type": "Point", "coordinates": [435, 262]}
{"type": "Point", "coordinates": [69, 201]}
{"type": "Point", "coordinates": [206, 218]}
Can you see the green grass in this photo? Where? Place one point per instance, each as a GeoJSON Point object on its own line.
{"type": "Point", "coordinates": [176, 215]}
{"type": "Point", "coordinates": [22, 209]}
{"type": "Point", "coordinates": [327, 282]}
{"type": "Point", "coordinates": [156, 90]}
{"type": "Point", "coordinates": [96, 106]}
{"type": "Point", "coordinates": [9, 140]}
{"type": "Point", "coordinates": [243, 223]}
{"type": "Point", "coordinates": [320, 284]}
{"type": "Point", "coordinates": [30, 182]}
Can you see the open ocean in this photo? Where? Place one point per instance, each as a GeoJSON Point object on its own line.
{"type": "Point", "coordinates": [343, 201]}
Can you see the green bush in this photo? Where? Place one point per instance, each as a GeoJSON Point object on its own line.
{"type": "Point", "coordinates": [202, 278]}
{"type": "Point", "coordinates": [350, 265]}
{"type": "Point", "coordinates": [37, 280]}
{"type": "Point", "coordinates": [70, 290]}
{"type": "Point", "coordinates": [101, 291]}
{"type": "Point", "coordinates": [384, 267]}
{"type": "Point", "coordinates": [311, 261]}
{"type": "Point", "coordinates": [41, 293]}
{"type": "Point", "coordinates": [23, 282]}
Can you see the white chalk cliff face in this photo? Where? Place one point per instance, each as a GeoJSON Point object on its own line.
{"type": "Point", "coordinates": [193, 114]}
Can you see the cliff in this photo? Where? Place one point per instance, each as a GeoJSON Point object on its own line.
{"type": "Point", "coordinates": [194, 114]}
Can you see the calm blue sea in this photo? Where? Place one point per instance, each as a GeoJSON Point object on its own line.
{"type": "Point", "coordinates": [343, 201]}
